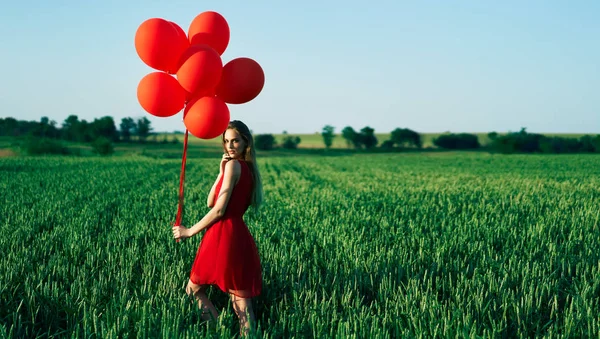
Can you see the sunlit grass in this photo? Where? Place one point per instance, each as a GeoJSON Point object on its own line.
{"type": "Point", "coordinates": [376, 246]}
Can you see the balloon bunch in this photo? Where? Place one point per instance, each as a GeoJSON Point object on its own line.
{"type": "Point", "coordinates": [190, 73]}
{"type": "Point", "coordinates": [202, 85]}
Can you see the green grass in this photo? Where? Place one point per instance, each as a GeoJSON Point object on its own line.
{"type": "Point", "coordinates": [378, 246]}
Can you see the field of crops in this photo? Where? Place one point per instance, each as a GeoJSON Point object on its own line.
{"type": "Point", "coordinates": [366, 246]}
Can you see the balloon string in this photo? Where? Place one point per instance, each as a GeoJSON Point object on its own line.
{"type": "Point", "coordinates": [181, 180]}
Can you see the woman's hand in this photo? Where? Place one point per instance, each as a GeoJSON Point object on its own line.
{"type": "Point", "coordinates": [224, 160]}
{"type": "Point", "coordinates": [181, 232]}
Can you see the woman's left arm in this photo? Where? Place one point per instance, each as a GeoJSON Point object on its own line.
{"type": "Point", "coordinates": [230, 176]}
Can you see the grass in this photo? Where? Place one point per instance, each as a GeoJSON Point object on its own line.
{"type": "Point", "coordinates": [379, 246]}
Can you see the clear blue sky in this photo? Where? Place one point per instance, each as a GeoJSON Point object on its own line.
{"type": "Point", "coordinates": [432, 66]}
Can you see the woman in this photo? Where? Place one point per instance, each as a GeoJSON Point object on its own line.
{"type": "Point", "coordinates": [227, 256]}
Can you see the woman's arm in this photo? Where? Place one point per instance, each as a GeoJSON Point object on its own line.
{"type": "Point", "coordinates": [232, 172]}
{"type": "Point", "coordinates": [210, 201]}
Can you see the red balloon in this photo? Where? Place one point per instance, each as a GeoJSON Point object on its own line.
{"type": "Point", "coordinates": [206, 118]}
{"type": "Point", "coordinates": [160, 94]}
{"type": "Point", "coordinates": [159, 45]}
{"type": "Point", "coordinates": [189, 97]}
{"type": "Point", "coordinates": [210, 28]}
{"type": "Point", "coordinates": [200, 69]}
{"type": "Point", "coordinates": [181, 32]}
{"type": "Point", "coordinates": [242, 80]}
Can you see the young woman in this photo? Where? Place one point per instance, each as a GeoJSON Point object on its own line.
{"type": "Point", "coordinates": [227, 256]}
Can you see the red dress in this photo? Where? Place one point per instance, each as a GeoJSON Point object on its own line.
{"type": "Point", "coordinates": [227, 256]}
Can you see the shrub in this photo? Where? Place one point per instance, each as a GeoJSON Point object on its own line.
{"type": "Point", "coordinates": [457, 141]}
{"type": "Point", "coordinates": [405, 137]}
{"type": "Point", "coordinates": [264, 141]}
{"type": "Point", "coordinates": [590, 143]}
{"type": "Point", "coordinates": [368, 138]}
{"type": "Point", "coordinates": [290, 142]}
{"type": "Point", "coordinates": [387, 145]}
{"type": "Point", "coordinates": [532, 142]}
{"type": "Point", "coordinates": [103, 146]}
{"type": "Point", "coordinates": [38, 146]}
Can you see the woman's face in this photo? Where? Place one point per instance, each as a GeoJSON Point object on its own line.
{"type": "Point", "coordinates": [234, 144]}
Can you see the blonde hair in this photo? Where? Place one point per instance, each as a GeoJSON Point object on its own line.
{"type": "Point", "coordinates": [249, 157]}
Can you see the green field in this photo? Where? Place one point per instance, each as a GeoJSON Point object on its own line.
{"type": "Point", "coordinates": [368, 246]}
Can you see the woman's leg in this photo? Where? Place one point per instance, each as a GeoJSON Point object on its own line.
{"type": "Point", "coordinates": [243, 309]}
{"type": "Point", "coordinates": [198, 292]}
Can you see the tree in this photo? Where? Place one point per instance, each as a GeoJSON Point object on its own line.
{"type": "Point", "coordinates": [9, 127]}
{"type": "Point", "coordinates": [290, 142]}
{"type": "Point", "coordinates": [69, 127]}
{"type": "Point", "coordinates": [405, 137]}
{"type": "Point", "coordinates": [264, 141]}
{"type": "Point", "coordinates": [104, 127]}
{"type": "Point", "coordinates": [352, 138]}
{"type": "Point", "coordinates": [492, 135]}
{"type": "Point", "coordinates": [457, 141]}
{"type": "Point", "coordinates": [142, 129]}
{"type": "Point", "coordinates": [590, 143]}
{"type": "Point", "coordinates": [127, 127]}
{"type": "Point", "coordinates": [368, 138]}
{"type": "Point", "coordinates": [328, 135]}
{"type": "Point", "coordinates": [75, 130]}
{"type": "Point", "coordinates": [44, 129]}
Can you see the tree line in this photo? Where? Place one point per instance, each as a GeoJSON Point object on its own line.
{"type": "Point", "coordinates": [512, 142]}
{"type": "Point", "coordinates": [74, 129]}
{"type": "Point", "coordinates": [44, 136]}
{"type": "Point", "coordinates": [102, 132]}
{"type": "Point", "coordinates": [405, 138]}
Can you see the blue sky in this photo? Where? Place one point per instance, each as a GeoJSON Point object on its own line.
{"type": "Point", "coordinates": [432, 66]}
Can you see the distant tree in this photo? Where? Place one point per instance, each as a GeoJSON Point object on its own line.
{"type": "Point", "coordinates": [143, 128]}
{"type": "Point", "coordinates": [104, 127]}
{"type": "Point", "coordinates": [70, 128]}
{"type": "Point", "coordinates": [9, 127]}
{"type": "Point", "coordinates": [264, 141]}
{"type": "Point", "coordinates": [352, 138]}
{"type": "Point", "coordinates": [126, 128]}
{"type": "Point", "coordinates": [290, 142]}
{"type": "Point", "coordinates": [457, 141]}
{"type": "Point", "coordinates": [402, 137]}
{"type": "Point", "coordinates": [492, 135]}
{"type": "Point", "coordinates": [43, 129]}
{"type": "Point", "coordinates": [328, 135]}
{"type": "Point", "coordinates": [368, 138]}
{"type": "Point", "coordinates": [590, 143]}
{"type": "Point", "coordinates": [523, 142]}
{"type": "Point", "coordinates": [74, 129]}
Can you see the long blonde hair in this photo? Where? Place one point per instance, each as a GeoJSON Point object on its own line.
{"type": "Point", "coordinates": [250, 158]}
